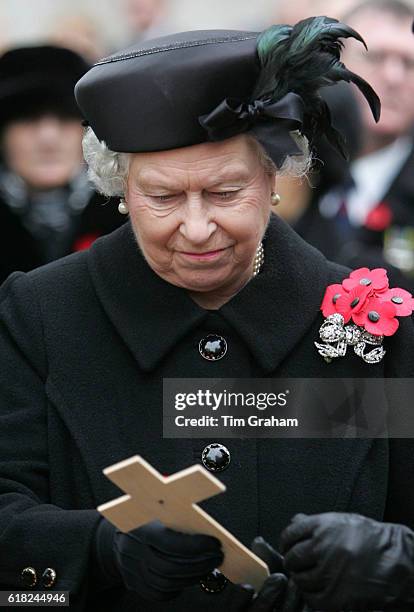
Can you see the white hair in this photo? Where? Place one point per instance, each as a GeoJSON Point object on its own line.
{"type": "Point", "coordinates": [108, 170]}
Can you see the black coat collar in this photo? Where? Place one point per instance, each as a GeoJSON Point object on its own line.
{"type": "Point", "coordinates": [271, 313]}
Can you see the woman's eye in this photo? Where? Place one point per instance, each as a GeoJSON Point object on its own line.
{"type": "Point", "coordinates": [162, 198]}
{"type": "Point", "coordinates": [224, 195]}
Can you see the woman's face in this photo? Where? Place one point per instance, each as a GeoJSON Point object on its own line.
{"type": "Point", "coordinates": [46, 152]}
{"type": "Point", "coordinates": [200, 212]}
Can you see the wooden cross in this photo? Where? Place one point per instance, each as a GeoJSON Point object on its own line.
{"type": "Point", "coordinates": [172, 500]}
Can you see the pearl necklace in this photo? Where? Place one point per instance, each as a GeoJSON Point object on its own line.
{"type": "Point", "coordinates": [258, 259]}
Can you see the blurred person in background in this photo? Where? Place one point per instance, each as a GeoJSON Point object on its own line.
{"type": "Point", "coordinates": [47, 207]}
{"type": "Point", "coordinates": [291, 12]}
{"type": "Point", "coordinates": [145, 18]}
{"type": "Point", "coordinates": [80, 34]}
{"type": "Point", "coordinates": [376, 214]}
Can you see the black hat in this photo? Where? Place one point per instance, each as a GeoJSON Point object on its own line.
{"type": "Point", "coordinates": [39, 79]}
{"type": "Point", "coordinates": [199, 86]}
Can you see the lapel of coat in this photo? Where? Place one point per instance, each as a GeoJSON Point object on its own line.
{"type": "Point", "coordinates": [149, 314]}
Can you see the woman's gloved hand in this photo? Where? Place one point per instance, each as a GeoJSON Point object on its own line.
{"type": "Point", "coordinates": [278, 593]}
{"type": "Point", "coordinates": [156, 562]}
{"type": "Point", "coordinates": [346, 561]}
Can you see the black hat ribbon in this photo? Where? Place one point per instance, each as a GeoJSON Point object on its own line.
{"type": "Point", "coordinates": [269, 121]}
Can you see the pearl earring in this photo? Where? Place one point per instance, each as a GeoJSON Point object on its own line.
{"type": "Point", "coordinates": [275, 197]}
{"type": "Point", "coordinates": [123, 208]}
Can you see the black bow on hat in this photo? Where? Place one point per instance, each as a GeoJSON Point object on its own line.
{"type": "Point", "coordinates": [270, 122]}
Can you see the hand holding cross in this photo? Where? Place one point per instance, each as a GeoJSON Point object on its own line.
{"type": "Point", "coordinates": [173, 500]}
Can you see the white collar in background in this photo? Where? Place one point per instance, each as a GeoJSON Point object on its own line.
{"type": "Point", "coordinates": [373, 175]}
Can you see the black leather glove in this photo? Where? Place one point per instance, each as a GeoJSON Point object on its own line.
{"type": "Point", "coordinates": [156, 562]}
{"type": "Point", "coordinates": [278, 593]}
{"type": "Point", "coordinates": [350, 562]}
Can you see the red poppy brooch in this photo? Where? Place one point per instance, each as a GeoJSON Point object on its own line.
{"type": "Point", "coordinates": [359, 313]}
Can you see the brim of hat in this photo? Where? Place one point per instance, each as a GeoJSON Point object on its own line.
{"type": "Point", "coordinates": [25, 97]}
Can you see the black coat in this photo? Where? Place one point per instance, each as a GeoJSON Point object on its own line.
{"type": "Point", "coordinates": [19, 250]}
{"type": "Point", "coordinates": [85, 343]}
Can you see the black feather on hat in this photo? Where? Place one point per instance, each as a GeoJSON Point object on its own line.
{"type": "Point", "coordinates": [38, 80]}
{"type": "Point", "coordinates": [303, 59]}
{"type": "Point", "coordinates": [201, 86]}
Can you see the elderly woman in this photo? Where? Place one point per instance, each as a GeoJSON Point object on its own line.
{"type": "Point", "coordinates": [190, 131]}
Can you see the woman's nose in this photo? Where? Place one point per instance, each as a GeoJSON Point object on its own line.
{"type": "Point", "coordinates": [197, 225]}
{"type": "Point", "coordinates": [48, 129]}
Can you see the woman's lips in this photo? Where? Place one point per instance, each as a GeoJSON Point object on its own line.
{"type": "Point", "coordinates": [206, 256]}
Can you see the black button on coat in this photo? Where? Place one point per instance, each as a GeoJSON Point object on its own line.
{"type": "Point", "coordinates": [85, 343]}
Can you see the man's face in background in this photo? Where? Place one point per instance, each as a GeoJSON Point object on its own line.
{"type": "Point", "coordinates": [388, 66]}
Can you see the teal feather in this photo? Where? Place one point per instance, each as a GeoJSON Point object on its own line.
{"type": "Point", "coordinates": [271, 37]}
{"type": "Point", "coordinates": [303, 59]}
